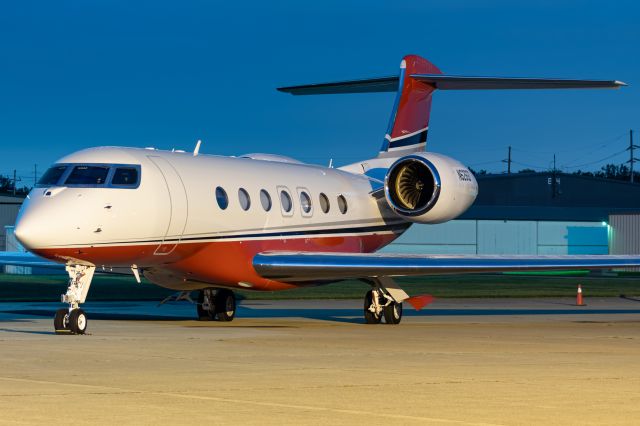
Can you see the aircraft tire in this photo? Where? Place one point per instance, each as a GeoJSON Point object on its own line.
{"type": "Point", "coordinates": [78, 321]}
{"type": "Point", "coordinates": [225, 303]}
{"type": "Point", "coordinates": [59, 322]}
{"type": "Point", "coordinates": [370, 317]}
{"type": "Point", "coordinates": [393, 313]}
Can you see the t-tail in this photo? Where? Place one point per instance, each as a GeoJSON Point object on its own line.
{"type": "Point", "coordinates": [414, 86]}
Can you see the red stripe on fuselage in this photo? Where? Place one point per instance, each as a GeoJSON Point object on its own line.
{"type": "Point", "coordinates": [221, 262]}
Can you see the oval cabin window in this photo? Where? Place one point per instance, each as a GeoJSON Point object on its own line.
{"type": "Point", "coordinates": [265, 200]}
{"type": "Point", "coordinates": [324, 203]}
{"type": "Point", "coordinates": [245, 200]}
{"type": "Point", "coordinates": [221, 198]}
{"type": "Point", "coordinates": [342, 204]}
{"type": "Point", "coordinates": [305, 202]}
{"type": "Point", "coordinates": [285, 200]}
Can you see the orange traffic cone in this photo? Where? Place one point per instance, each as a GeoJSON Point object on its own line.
{"type": "Point", "coordinates": [579, 301]}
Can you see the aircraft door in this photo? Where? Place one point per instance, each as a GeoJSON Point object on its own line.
{"type": "Point", "coordinates": [178, 205]}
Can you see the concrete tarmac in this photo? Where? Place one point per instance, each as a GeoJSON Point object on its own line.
{"type": "Point", "coordinates": [476, 362]}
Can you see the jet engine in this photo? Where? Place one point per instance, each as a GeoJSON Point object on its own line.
{"type": "Point", "coordinates": [429, 188]}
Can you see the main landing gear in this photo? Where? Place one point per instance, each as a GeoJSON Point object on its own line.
{"type": "Point", "coordinates": [73, 319]}
{"type": "Point", "coordinates": [215, 304]}
{"type": "Point", "coordinates": [384, 300]}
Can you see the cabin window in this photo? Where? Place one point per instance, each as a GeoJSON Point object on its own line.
{"type": "Point", "coordinates": [265, 200]}
{"type": "Point", "coordinates": [88, 175]}
{"type": "Point", "coordinates": [245, 200]}
{"type": "Point", "coordinates": [127, 176]}
{"type": "Point", "coordinates": [285, 200]}
{"type": "Point", "coordinates": [305, 202]}
{"type": "Point", "coordinates": [52, 176]}
{"type": "Point", "coordinates": [221, 198]}
{"type": "Point", "coordinates": [324, 203]}
{"type": "Point", "coordinates": [342, 204]}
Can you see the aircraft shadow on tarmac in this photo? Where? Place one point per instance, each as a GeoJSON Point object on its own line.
{"type": "Point", "coordinates": [353, 316]}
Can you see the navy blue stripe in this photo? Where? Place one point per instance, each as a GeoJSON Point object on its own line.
{"type": "Point", "coordinates": [399, 228]}
{"type": "Point", "coordinates": [411, 140]}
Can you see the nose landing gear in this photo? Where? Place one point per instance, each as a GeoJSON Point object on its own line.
{"type": "Point", "coordinates": [74, 320]}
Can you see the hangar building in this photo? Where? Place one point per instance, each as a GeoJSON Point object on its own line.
{"type": "Point", "coordinates": [530, 213]}
{"type": "Point", "coordinates": [9, 206]}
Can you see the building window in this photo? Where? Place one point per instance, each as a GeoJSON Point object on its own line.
{"type": "Point", "coordinates": [324, 203]}
{"type": "Point", "coordinates": [221, 197]}
{"type": "Point", "coordinates": [305, 202]}
{"type": "Point", "coordinates": [265, 200]}
{"type": "Point", "coordinates": [285, 200]}
{"type": "Point", "coordinates": [245, 200]}
{"type": "Point", "coordinates": [342, 204]}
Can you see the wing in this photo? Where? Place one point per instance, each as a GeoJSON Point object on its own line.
{"type": "Point", "coordinates": [307, 266]}
{"type": "Point", "coordinates": [27, 259]}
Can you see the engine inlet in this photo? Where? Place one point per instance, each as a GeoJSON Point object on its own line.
{"type": "Point", "coordinates": [412, 185]}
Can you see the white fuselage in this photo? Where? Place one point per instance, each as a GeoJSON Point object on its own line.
{"type": "Point", "coordinates": [172, 226]}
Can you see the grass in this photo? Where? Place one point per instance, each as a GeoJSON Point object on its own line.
{"type": "Point", "coordinates": [110, 287]}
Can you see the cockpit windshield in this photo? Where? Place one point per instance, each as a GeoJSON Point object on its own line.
{"type": "Point", "coordinates": [87, 175]}
{"type": "Point", "coordinates": [52, 176]}
{"type": "Point", "coordinates": [92, 176]}
{"type": "Point", "coordinates": [125, 176]}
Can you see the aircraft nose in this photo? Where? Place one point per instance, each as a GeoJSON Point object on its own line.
{"type": "Point", "coordinates": [24, 233]}
{"type": "Point", "coordinates": [30, 227]}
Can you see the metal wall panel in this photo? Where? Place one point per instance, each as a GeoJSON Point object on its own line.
{"type": "Point", "coordinates": [507, 237]}
{"type": "Point", "coordinates": [14, 245]}
{"type": "Point", "coordinates": [572, 238]}
{"type": "Point", "coordinates": [8, 214]}
{"type": "Point", "coordinates": [454, 237]}
{"type": "Point", "coordinates": [624, 233]}
{"type": "Point", "coordinates": [504, 237]}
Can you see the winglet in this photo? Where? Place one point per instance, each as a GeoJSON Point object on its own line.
{"type": "Point", "coordinates": [419, 302]}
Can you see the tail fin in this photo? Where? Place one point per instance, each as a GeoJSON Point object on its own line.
{"type": "Point", "coordinates": [409, 122]}
{"type": "Point", "coordinates": [418, 79]}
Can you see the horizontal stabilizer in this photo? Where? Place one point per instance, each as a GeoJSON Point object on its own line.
{"type": "Point", "coordinates": [371, 85]}
{"type": "Point", "coordinates": [455, 82]}
{"type": "Point", "coordinates": [449, 82]}
{"type": "Point", "coordinates": [308, 266]}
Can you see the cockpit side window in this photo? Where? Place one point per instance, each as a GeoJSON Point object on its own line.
{"type": "Point", "coordinates": [88, 175]}
{"type": "Point", "coordinates": [125, 176]}
{"type": "Point", "coordinates": [52, 176]}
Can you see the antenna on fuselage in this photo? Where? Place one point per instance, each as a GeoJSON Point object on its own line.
{"type": "Point", "coordinates": [197, 148]}
{"type": "Point", "coordinates": [331, 163]}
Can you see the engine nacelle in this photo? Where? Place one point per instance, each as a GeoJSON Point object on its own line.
{"type": "Point", "coordinates": [429, 188]}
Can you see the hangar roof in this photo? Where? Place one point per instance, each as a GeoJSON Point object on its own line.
{"type": "Point", "coordinates": [552, 196]}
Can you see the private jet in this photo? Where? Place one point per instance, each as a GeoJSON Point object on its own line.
{"type": "Point", "coordinates": [214, 224]}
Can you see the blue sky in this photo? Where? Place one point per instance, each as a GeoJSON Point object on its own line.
{"type": "Point", "coordinates": [76, 74]}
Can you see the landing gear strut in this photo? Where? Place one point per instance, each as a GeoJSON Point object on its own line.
{"type": "Point", "coordinates": [384, 299]}
{"type": "Point", "coordinates": [73, 319]}
{"type": "Point", "coordinates": [205, 305]}
{"type": "Point", "coordinates": [216, 304]}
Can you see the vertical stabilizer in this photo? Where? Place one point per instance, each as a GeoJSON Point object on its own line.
{"type": "Point", "coordinates": [409, 122]}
